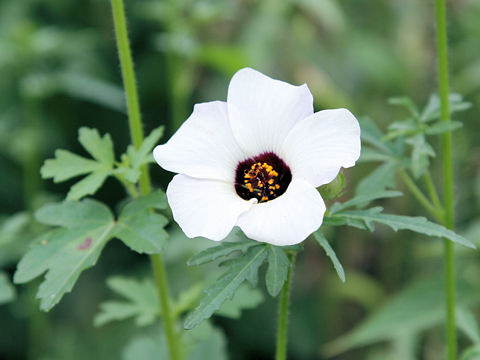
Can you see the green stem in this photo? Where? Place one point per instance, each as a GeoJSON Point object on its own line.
{"type": "Point", "coordinates": [169, 319]}
{"type": "Point", "coordinates": [449, 251]}
{"type": "Point", "coordinates": [130, 84]}
{"type": "Point", "coordinates": [432, 191]}
{"type": "Point", "coordinates": [433, 210]}
{"type": "Point", "coordinates": [284, 301]}
{"type": "Point", "coordinates": [136, 132]}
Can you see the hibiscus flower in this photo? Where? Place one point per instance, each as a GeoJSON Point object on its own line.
{"type": "Point", "coordinates": [256, 160]}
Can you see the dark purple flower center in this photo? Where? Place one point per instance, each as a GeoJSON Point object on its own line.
{"type": "Point", "coordinates": [264, 177]}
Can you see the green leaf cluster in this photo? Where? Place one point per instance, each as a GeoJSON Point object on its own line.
{"type": "Point", "coordinates": [141, 302]}
{"type": "Point", "coordinates": [205, 342]}
{"type": "Point", "coordinates": [82, 229]}
{"type": "Point", "coordinates": [415, 309]}
{"type": "Point", "coordinates": [412, 131]}
{"type": "Point", "coordinates": [365, 219]}
{"type": "Point", "coordinates": [242, 261]}
{"type": "Point", "coordinates": [67, 165]}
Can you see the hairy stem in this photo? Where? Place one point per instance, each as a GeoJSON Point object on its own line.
{"type": "Point", "coordinates": [136, 132]}
{"type": "Point", "coordinates": [432, 191]}
{"type": "Point", "coordinates": [130, 84]}
{"type": "Point", "coordinates": [436, 212]}
{"type": "Point", "coordinates": [284, 301]}
{"type": "Point", "coordinates": [169, 319]}
{"type": "Point", "coordinates": [449, 251]}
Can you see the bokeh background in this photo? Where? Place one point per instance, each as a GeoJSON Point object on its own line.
{"type": "Point", "coordinates": [59, 70]}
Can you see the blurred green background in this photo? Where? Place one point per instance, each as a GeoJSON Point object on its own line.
{"type": "Point", "coordinates": [59, 71]}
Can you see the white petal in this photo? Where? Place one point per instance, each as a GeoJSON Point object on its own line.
{"type": "Point", "coordinates": [287, 220]}
{"type": "Point", "coordinates": [207, 208]}
{"type": "Point", "coordinates": [318, 146]}
{"type": "Point", "coordinates": [262, 110]}
{"type": "Point", "coordinates": [204, 146]}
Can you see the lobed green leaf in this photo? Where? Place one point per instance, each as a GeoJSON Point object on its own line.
{"type": "Point", "coordinates": [65, 252]}
{"type": "Point", "coordinates": [330, 253]}
{"type": "Point", "coordinates": [215, 252]}
{"type": "Point", "coordinates": [141, 302]}
{"type": "Point", "coordinates": [67, 165]}
{"type": "Point", "coordinates": [364, 199]}
{"type": "Point", "coordinates": [141, 229]}
{"type": "Point", "coordinates": [245, 298]}
{"type": "Point", "coordinates": [100, 148]}
{"type": "Point", "coordinates": [88, 185]}
{"type": "Point", "coordinates": [278, 265]}
{"type": "Point", "coordinates": [225, 286]}
{"type": "Point", "coordinates": [379, 179]}
{"type": "Point", "coordinates": [372, 135]}
{"type": "Point", "coordinates": [398, 222]}
{"type": "Point", "coordinates": [142, 232]}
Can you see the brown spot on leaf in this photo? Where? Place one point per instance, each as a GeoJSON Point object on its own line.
{"type": "Point", "coordinates": [86, 244]}
{"type": "Point", "coordinates": [44, 242]}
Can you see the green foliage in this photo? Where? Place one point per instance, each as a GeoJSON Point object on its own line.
{"type": "Point", "coordinates": [365, 219]}
{"type": "Point", "coordinates": [242, 259]}
{"type": "Point", "coordinates": [413, 310]}
{"type": "Point", "coordinates": [330, 253]}
{"type": "Point", "coordinates": [141, 229]}
{"type": "Point", "coordinates": [471, 353]}
{"type": "Point", "coordinates": [364, 199]}
{"type": "Point", "coordinates": [7, 291]}
{"type": "Point", "coordinates": [278, 265]}
{"type": "Point", "coordinates": [468, 324]}
{"type": "Point", "coordinates": [379, 179]}
{"type": "Point", "coordinates": [412, 131]}
{"type": "Point", "coordinates": [146, 347]}
{"type": "Point", "coordinates": [205, 342]}
{"type": "Point", "coordinates": [15, 231]}
{"type": "Point", "coordinates": [244, 298]}
{"type": "Point", "coordinates": [134, 159]}
{"type": "Point", "coordinates": [84, 228]}
{"type": "Point", "coordinates": [65, 252]}
{"type": "Point", "coordinates": [67, 165]}
{"type": "Point", "coordinates": [215, 252]}
{"type": "Point", "coordinates": [225, 286]}
{"type": "Point", "coordinates": [141, 302]}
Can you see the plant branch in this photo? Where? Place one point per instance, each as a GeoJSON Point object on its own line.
{"type": "Point", "coordinates": [436, 212]}
{"type": "Point", "coordinates": [432, 191]}
{"type": "Point", "coordinates": [136, 132]}
{"type": "Point", "coordinates": [130, 84]}
{"type": "Point", "coordinates": [449, 251]}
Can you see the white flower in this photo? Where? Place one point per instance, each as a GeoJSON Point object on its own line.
{"type": "Point", "coordinates": [255, 161]}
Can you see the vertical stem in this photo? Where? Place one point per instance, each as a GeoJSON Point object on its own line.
{"type": "Point", "coordinates": [449, 251]}
{"type": "Point", "coordinates": [168, 319]}
{"type": "Point", "coordinates": [284, 301]}
{"type": "Point", "coordinates": [136, 132]}
{"type": "Point", "coordinates": [130, 84]}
